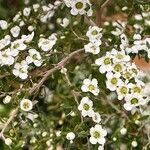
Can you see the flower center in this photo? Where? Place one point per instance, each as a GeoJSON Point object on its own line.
{"type": "Point", "coordinates": [107, 61]}
{"type": "Point", "coordinates": [86, 106]}
{"type": "Point", "coordinates": [134, 101]}
{"type": "Point", "coordinates": [26, 105]}
{"type": "Point", "coordinates": [79, 5]}
{"type": "Point", "coordinates": [96, 134]}
{"type": "Point", "coordinates": [123, 90]}
{"type": "Point", "coordinates": [16, 45]}
{"type": "Point", "coordinates": [118, 67]}
{"type": "Point", "coordinates": [94, 32]}
{"type": "Point", "coordinates": [136, 89]}
{"type": "Point", "coordinates": [91, 87]}
{"type": "Point", "coordinates": [134, 70]}
{"type": "Point", "coordinates": [114, 81]}
{"type": "Point", "coordinates": [119, 56]}
{"type": "Point", "coordinates": [127, 75]}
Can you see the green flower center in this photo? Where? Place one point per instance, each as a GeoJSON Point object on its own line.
{"type": "Point", "coordinates": [123, 90]}
{"type": "Point", "coordinates": [94, 32]}
{"type": "Point", "coordinates": [127, 75]}
{"type": "Point", "coordinates": [118, 67]}
{"type": "Point", "coordinates": [119, 56]}
{"type": "Point", "coordinates": [16, 45]}
{"type": "Point", "coordinates": [86, 106]}
{"type": "Point", "coordinates": [134, 101]}
{"type": "Point", "coordinates": [96, 135]}
{"type": "Point", "coordinates": [34, 56]}
{"type": "Point", "coordinates": [107, 61]}
{"type": "Point", "coordinates": [114, 80]}
{"type": "Point", "coordinates": [91, 87]}
{"type": "Point", "coordinates": [136, 89]}
{"type": "Point", "coordinates": [79, 5]}
{"type": "Point", "coordinates": [26, 105]}
{"type": "Point", "coordinates": [134, 71]}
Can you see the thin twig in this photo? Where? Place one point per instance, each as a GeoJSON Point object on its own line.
{"type": "Point", "coordinates": [12, 116]}
{"type": "Point", "coordinates": [100, 12]}
{"type": "Point", "coordinates": [51, 71]}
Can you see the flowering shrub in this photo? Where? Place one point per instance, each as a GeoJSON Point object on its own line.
{"type": "Point", "coordinates": [68, 79]}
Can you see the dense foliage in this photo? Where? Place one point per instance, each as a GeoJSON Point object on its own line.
{"type": "Point", "coordinates": [68, 78]}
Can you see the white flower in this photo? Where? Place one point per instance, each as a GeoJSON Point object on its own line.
{"type": "Point", "coordinates": [27, 11]}
{"type": "Point", "coordinates": [47, 44]}
{"type": "Point", "coordinates": [94, 34]}
{"type": "Point", "coordinates": [21, 70]}
{"type": "Point", "coordinates": [119, 56]}
{"type": "Point", "coordinates": [3, 24]}
{"type": "Point", "coordinates": [97, 134]}
{"type": "Point", "coordinates": [27, 38]}
{"type": "Point", "coordinates": [35, 7]}
{"type": "Point", "coordinates": [6, 57]}
{"type": "Point", "coordinates": [79, 7]}
{"type": "Point", "coordinates": [123, 131]}
{"type": "Point", "coordinates": [113, 81]}
{"type": "Point", "coordinates": [8, 141]}
{"type": "Point", "coordinates": [138, 87]}
{"type": "Point", "coordinates": [86, 107]}
{"type": "Point", "coordinates": [122, 90]}
{"type": "Point", "coordinates": [17, 46]}
{"type": "Point", "coordinates": [26, 105]}
{"type": "Point", "coordinates": [134, 144]}
{"type": "Point", "coordinates": [91, 86]}
{"type": "Point", "coordinates": [65, 22]}
{"type": "Point", "coordinates": [34, 57]}
{"type": "Point", "coordinates": [134, 100]}
{"type": "Point", "coordinates": [7, 99]}
{"type": "Point", "coordinates": [92, 48]}
{"type": "Point", "coordinates": [70, 136]}
{"type": "Point", "coordinates": [15, 31]}
{"type": "Point", "coordinates": [96, 117]}
{"type": "Point", "coordinates": [105, 63]}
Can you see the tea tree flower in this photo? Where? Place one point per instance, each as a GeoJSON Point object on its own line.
{"type": "Point", "coordinates": [86, 107]}
{"type": "Point", "coordinates": [92, 48]}
{"type": "Point", "coordinates": [26, 105]}
{"type": "Point", "coordinates": [94, 34]}
{"type": "Point", "coordinates": [133, 100]}
{"type": "Point", "coordinates": [35, 57]}
{"type": "Point", "coordinates": [113, 81]}
{"type": "Point", "coordinates": [90, 86]}
{"type": "Point", "coordinates": [70, 136]}
{"type": "Point", "coordinates": [3, 24]}
{"type": "Point", "coordinates": [15, 31]}
{"type": "Point", "coordinates": [79, 7]}
{"type": "Point", "coordinates": [26, 11]}
{"type": "Point", "coordinates": [21, 70]}
{"type": "Point", "coordinates": [18, 45]}
{"type": "Point", "coordinates": [105, 63]}
{"type": "Point", "coordinates": [97, 135]}
{"type": "Point", "coordinates": [47, 44]}
{"type": "Point", "coordinates": [122, 90]}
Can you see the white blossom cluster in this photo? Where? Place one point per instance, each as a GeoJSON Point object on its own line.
{"type": "Point", "coordinates": [138, 45]}
{"type": "Point", "coordinates": [122, 77]}
{"type": "Point", "coordinates": [80, 7]}
{"type": "Point", "coordinates": [94, 34]}
{"type": "Point", "coordinates": [91, 85]}
{"type": "Point", "coordinates": [16, 49]}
